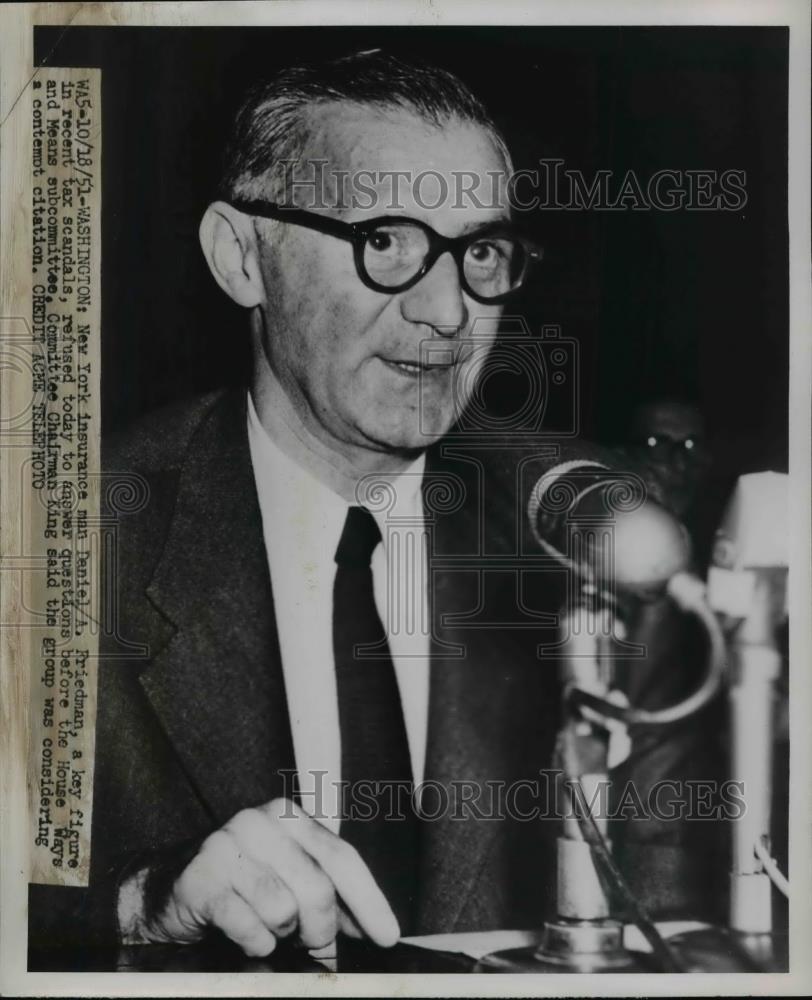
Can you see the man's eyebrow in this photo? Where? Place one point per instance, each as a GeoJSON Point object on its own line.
{"type": "Point", "coordinates": [474, 227]}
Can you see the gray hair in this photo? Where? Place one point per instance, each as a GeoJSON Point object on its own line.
{"type": "Point", "coordinates": [272, 128]}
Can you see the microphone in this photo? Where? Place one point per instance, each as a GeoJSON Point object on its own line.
{"type": "Point", "coordinates": [751, 548]}
{"type": "Point", "coordinates": [605, 525]}
{"type": "Point", "coordinates": [747, 587]}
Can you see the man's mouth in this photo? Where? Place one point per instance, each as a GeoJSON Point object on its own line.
{"type": "Point", "coordinates": [416, 368]}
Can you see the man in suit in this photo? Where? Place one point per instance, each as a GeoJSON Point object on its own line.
{"type": "Point", "coordinates": [263, 556]}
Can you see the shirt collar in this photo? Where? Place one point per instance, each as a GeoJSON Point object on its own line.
{"type": "Point", "coordinates": [313, 511]}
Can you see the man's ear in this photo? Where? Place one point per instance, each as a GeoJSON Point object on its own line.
{"type": "Point", "coordinates": [229, 246]}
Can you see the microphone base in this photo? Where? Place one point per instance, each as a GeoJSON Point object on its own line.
{"type": "Point", "coordinates": [722, 949]}
{"type": "Point", "coordinates": [594, 947]}
{"type": "Point", "coordinates": [569, 946]}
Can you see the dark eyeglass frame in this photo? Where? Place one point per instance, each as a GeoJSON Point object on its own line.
{"type": "Point", "coordinates": [357, 233]}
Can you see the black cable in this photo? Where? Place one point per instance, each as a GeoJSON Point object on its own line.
{"type": "Point", "coordinates": [668, 958]}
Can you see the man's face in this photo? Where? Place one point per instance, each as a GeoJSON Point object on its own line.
{"type": "Point", "coordinates": [672, 434]}
{"type": "Point", "coordinates": [347, 356]}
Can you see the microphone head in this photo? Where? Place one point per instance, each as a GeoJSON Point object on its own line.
{"type": "Point", "coordinates": [650, 546]}
{"type": "Point", "coordinates": [626, 541]}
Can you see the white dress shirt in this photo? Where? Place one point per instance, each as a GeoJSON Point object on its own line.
{"type": "Point", "coordinates": [302, 521]}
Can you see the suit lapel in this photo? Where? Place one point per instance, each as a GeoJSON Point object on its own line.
{"type": "Point", "coordinates": [463, 744]}
{"type": "Point", "coordinates": [218, 685]}
{"type": "Point", "coordinates": [493, 706]}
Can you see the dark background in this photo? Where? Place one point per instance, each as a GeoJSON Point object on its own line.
{"type": "Point", "coordinates": [692, 303]}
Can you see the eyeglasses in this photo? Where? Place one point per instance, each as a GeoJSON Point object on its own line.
{"type": "Point", "coordinates": [663, 447]}
{"type": "Point", "coordinates": [392, 253]}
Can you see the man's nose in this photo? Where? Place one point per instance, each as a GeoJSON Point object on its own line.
{"type": "Point", "coordinates": [680, 456]}
{"type": "Point", "coordinates": [436, 300]}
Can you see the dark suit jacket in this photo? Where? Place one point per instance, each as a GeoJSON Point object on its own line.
{"type": "Point", "coordinates": [192, 718]}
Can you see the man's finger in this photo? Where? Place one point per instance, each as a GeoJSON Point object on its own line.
{"type": "Point", "coordinates": [267, 843]}
{"type": "Point", "coordinates": [235, 918]}
{"type": "Point", "coordinates": [267, 895]}
{"type": "Point", "coordinates": [347, 925]}
{"type": "Point", "coordinates": [312, 889]}
{"type": "Point", "coordinates": [255, 835]}
{"type": "Point", "coordinates": [344, 867]}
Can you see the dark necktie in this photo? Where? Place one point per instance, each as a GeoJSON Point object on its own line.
{"type": "Point", "coordinates": [374, 749]}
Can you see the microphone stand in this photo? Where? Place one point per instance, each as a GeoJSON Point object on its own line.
{"type": "Point", "coordinates": [747, 587]}
{"type": "Point", "coordinates": [583, 937]}
{"type": "Point", "coordinates": [754, 665]}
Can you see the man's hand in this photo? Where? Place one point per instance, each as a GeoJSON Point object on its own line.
{"type": "Point", "coordinates": [267, 873]}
